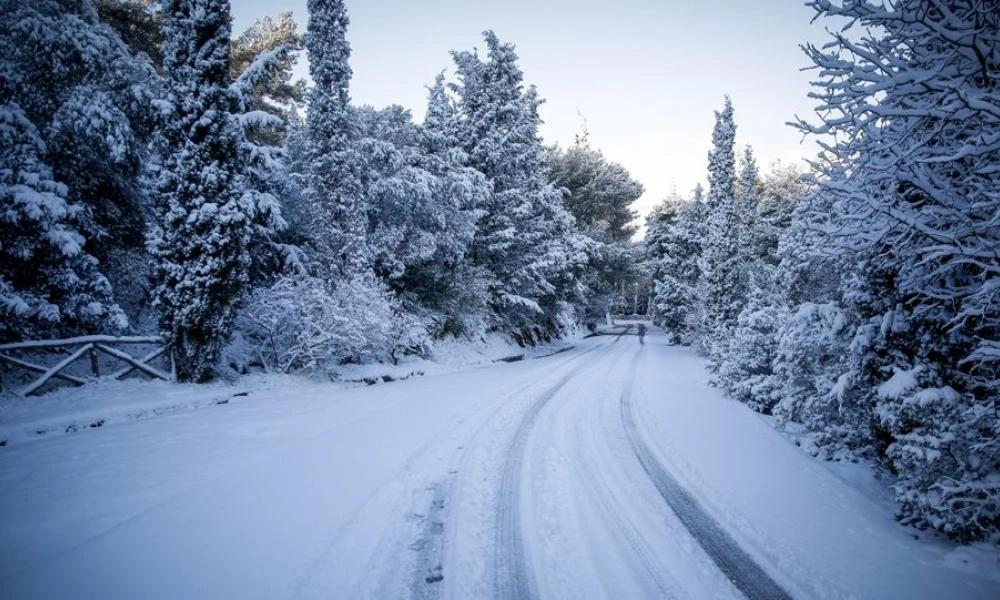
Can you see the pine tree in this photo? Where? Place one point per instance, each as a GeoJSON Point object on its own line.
{"type": "Point", "coordinates": [781, 191]}
{"type": "Point", "coordinates": [674, 246]}
{"type": "Point", "coordinates": [206, 217]}
{"type": "Point", "coordinates": [449, 285]}
{"type": "Point", "coordinates": [599, 194]}
{"type": "Point", "coordinates": [748, 203]}
{"type": "Point", "coordinates": [525, 237]}
{"type": "Point", "coordinates": [75, 103]}
{"type": "Point", "coordinates": [747, 371]}
{"type": "Point", "coordinates": [421, 206]}
{"type": "Point", "coordinates": [333, 179]}
{"type": "Point", "coordinates": [722, 288]}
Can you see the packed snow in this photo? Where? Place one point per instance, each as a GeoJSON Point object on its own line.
{"type": "Point", "coordinates": [310, 489]}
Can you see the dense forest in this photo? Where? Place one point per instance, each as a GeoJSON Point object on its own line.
{"type": "Point", "coordinates": [160, 175]}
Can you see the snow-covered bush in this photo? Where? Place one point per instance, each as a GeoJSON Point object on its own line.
{"type": "Point", "coordinates": [746, 374]}
{"type": "Point", "coordinates": [302, 323]}
{"type": "Point", "coordinates": [808, 386]}
{"type": "Point", "coordinates": [947, 448]}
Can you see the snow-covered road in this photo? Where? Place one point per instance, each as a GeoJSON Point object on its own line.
{"type": "Point", "coordinates": [608, 471]}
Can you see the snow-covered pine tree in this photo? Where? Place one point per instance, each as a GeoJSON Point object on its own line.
{"type": "Point", "coordinates": [48, 283]}
{"type": "Point", "coordinates": [780, 192]}
{"type": "Point", "coordinates": [674, 247]}
{"type": "Point", "coordinates": [747, 371]}
{"type": "Point", "coordinates": [448, 285]}
{"type": "Point", "coordinates": [915, 111]}
{"type": "Point", "coordinates": [139, 23]}
{"type": "Point", "coordinates": [746, 374]}
{"type": "Point", "coordinates": [722, 287]}
{"type": "Point", "coordinates": [525, 237]}
{"type": "Point", "coordinates": [76, 108]}
{"type": "Point", "coordinates": [421, 208]}
{"type": "Point", "coordinates": [748, 203]}
{"type": "Point", "coordinates": [333, 178]}
{"type": "Point", "coordinates": [206, 217]}
{"type": "Point", "coordinates": [599, 194]}
{"type": "Point", "coordinates": [269, 47]}
{"type": "Point", "coordinates": [809, 383]}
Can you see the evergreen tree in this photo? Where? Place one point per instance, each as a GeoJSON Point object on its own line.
{"type": "Point", "coordinates": [333, 179]}
{"type": "Point", "coordinates": [139, 23]}
{"type": "Point", "coordinates": [722, 288]}
{"type": "Point", "coordinates": [780, 192]}
{"type": "Point", "coordinates": [748, 203]}
{"type": "Point", "coordinates": [599, 194]}
{"type": "Point", "coordinates": [421, 207]}
{"type": "Point", "coordinates": [77, 111]}
{"type": "Point", "coordinates": [449, 285]}
{"type": "Point", "coordinates": [262, 59]}
{"type": "Point", "coordinates": [207, 218]}
{"type": "Point", "coordinates": [525, 238]}
{"type": "Point", "coordinates": [674, 247]}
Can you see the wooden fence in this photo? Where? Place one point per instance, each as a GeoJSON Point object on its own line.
{"type": "Point", "coordinates": [86, 346]}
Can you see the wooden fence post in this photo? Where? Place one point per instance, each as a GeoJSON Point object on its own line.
{"type": "Point", "coordinates": [94, 366]}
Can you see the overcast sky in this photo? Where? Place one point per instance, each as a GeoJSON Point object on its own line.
{"type": "Point", "coordinates": [646, 74]}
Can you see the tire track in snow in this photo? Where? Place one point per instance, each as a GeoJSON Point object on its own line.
{"type": "Point", "coordinates": [429, 570]}
{"type": "Point", "coordinates": [512, 575]}
{"type": "Point", "coordinates": [602, 492]}
{"type": "Point", "coordinates": [741, 569]}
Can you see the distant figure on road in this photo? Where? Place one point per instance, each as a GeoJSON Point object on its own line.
{"type": "Point", "coordinates": [642, 333]}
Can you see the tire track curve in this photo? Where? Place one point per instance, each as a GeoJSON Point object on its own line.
{"type": "Point", "coordinates": [734, 562]}
{"type": "Point", "coordinates": [430, 562]}
{"type": "Point", "coordinates": [512, 575]}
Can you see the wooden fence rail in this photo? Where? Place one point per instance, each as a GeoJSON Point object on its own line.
{"type": "Point", "coordinates": [88, 345]}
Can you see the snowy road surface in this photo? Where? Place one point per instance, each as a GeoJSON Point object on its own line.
{"type": "Point", "coordinates": [608, 471]}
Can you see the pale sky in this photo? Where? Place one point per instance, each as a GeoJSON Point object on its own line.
{"type": "Point", "coordinates": [646, 74]}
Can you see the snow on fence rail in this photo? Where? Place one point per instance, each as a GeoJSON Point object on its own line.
{"type": "Point", "coordinates": [88, 345]}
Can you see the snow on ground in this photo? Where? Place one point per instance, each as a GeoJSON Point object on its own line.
{"type": "Point", "coordinates": [70, 409]}
{"type": "Point", "coordinates": [451, 485]}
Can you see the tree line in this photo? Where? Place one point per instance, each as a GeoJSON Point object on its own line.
{"type": "Point", "coordinates": [158, 175]}
{"type": "Point", "coordinates": [860, 305]}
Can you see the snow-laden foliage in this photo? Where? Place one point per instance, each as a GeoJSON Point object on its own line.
{"type": "Point", "coordinates": [748, 190]}
{"type": "Point", "coordinates": [207, 213]}
{"type": "Point", "coordinates": [746, 373]}
{"type": "Point", "coordinates": [525, 238]}
{"type": "Point", "coordinates": [902, 234]}
{"type": "Point", "coordinates": [781, 191]}
{"type": "Point", "coordinates": [674, 237]}
{"type": "Point", "coordinates": [139, 24]}
{"type": "Point", "coordinates": [262, 59]}
{"type": "Point", "coordinates": [301, 323]}
{"type": "Point", "coordinates": [71, 96]}
{"type": "Point", "coordinates": [722, 285]}
{"type": "Point", "coordinates": [48, 283]}
{"type": "Point", "coordinates": [422, 206]}
{"type": "Point", "coordinates": [599, 194]}
{"type": "Point", "coordinates": [746, 369]}
{"type": "Point", "coordinates": [807, 387]}
{"type": "Point", "coordinates": [333, 177]}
